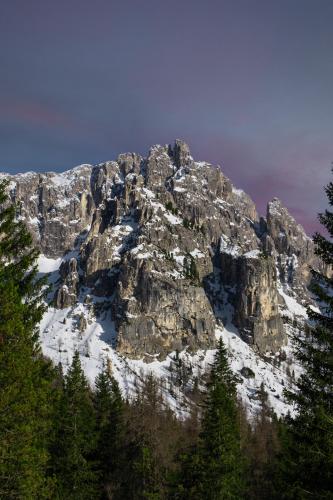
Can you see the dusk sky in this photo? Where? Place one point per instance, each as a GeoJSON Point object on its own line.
{"type": "Point", "coordinates": [247, 83]}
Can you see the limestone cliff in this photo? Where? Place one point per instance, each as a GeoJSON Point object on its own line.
{"type": "Point", "coordinates": [160, 242]}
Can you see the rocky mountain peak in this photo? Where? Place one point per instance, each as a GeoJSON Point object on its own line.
{"type": "Point", "coordinates": [278, 214]}
{"type": "Point", "coordinates": [181, 154]}
{"type": "Point", "coordinates": [168, 247]}
{"type": "Point", "coordinates": [293, 249]}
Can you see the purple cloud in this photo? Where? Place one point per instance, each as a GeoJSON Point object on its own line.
{"type": "Point", "coordinates": [246, 84]}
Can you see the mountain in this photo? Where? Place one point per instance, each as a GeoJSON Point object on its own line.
{"type": "Point", "coordinates": [153, 256]}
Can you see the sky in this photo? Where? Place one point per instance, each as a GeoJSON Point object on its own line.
{"type": "Point", "coordinates": [246, 83]}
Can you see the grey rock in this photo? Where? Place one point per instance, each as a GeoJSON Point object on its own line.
{"type": "Point", "coordinates": [292, 248]}
{"type": "Point", "coordinates": [181, 154]}
{"type": "Point", "coordinates": [165, 239]}
{"type": "Point", "coordinates": [161, 314]}
{"type": "Point", "coordinates": [82, 323]}
{"type": "Point", "coordinates": [255, 298]}
{"type": "Point", "coordinates": [246, 372]}
{"type": "Point", "coordinates": [66, 294]}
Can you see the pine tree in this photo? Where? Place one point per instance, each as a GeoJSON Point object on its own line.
{"type": "Point", "coordinates": [214, 469]}
{"type": "Point", "coordinates": [74, 463]}
{"type": "Point", "coordinates": [221, 454]}
{"type": "Point", "coordinates": [307, 464]}
{"type": "Point", "coordinates": [25, 377]}
{"type": "Point", "coordinates": [109, 407]}
{"type": "Point", "coordinates": [189, 482]}
{"type": "Point", "coordinates": [193, 270]}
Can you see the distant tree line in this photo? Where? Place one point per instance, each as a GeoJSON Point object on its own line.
{"type": "Point", "coordinates": [61, 439]}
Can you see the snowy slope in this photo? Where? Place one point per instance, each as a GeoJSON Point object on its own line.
{"type": "Point", "coordinates": [61, 336]}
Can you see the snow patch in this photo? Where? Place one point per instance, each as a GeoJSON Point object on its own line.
{"type": "Point", "coordinates": [196, 253]}
{"type": "Point", "coordinates": [252, 254]}
{"type": "Point", "coordinates": [294, 308]}
{"type": "Point", "coordinates": [238, 192]}
{"type": "Point", "coordinates": [149, 193]}
{"type": "Point", "coordinates": [227, 247]}
{"type": "Point", "coordinates": [173, 219]}
{"type": "Point", "coordinates": [48, 265]}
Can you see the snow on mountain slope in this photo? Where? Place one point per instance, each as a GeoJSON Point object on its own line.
{"type": "Point", "coordinates": [61, 336]}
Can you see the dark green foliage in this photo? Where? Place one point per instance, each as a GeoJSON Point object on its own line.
{"type": "Point", "coordinates": [109, 408]}
{"type": "Point", "coordinates": [169, 206]}
{"type": "Point", "coordinates": [190, 269]}
{"type": "Point", "coordinates": [189, 481]}
{"type": "Point", "coordinates": [224, 470]}
{"type": "Point", "coordinates": [144, 467]}
{"type": "Point", "coordinates": [25, 377]}
{"type": "Point", "coordinates": [190, 224]}
{"type": "Point", "coordinates": [306, 462]}
{"type": "Point", "coordinates": [169, 256]}
{"type": "Point", "coordinates": [181, 371]}
{"type": "Point", "coordinates": [76, 438]}
{"type": "Point", "coordinates": [214, 469]}
{"type": "Point", "coordinates": [264, 254]}
{"type": "Point", "coordinates": [193, 270]}
{"type": "Point", "coordinates": [187, 223]}
{"type": "Point", "coordinates": [145, 472]}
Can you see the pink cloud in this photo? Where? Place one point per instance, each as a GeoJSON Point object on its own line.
{"type": "Point", "coordinates": [33, 113]}
{"type": "Point", "coordinates": [294, 169]}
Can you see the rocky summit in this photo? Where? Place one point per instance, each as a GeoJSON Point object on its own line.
{"type": "Point", "coordinates": [166, 244]}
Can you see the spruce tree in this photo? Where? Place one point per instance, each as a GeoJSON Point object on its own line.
{"type": "Point", "coordinates": [307, 460]}
{"type": "Point", "coordinates": [109, 407]}
{"type": "Point", "coordinates": [25, 377]}
{"type": "Point", "coordinates": [223, 476]}
{"type": "Point", "coordinates": [214, 468]}
{"type": "Point", "coordinates": [74, 459]}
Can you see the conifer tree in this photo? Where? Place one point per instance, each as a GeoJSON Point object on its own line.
{"type": "Point", "coordinates": [307, 459]}
{"type": "Point", "coordinates": [145, 460]}
{"type": "Point", "coordinates": [223, 476]}
{"type": "Point", "coordinates": [261, 447]}
{"type": "Point", "coordinates": [109, 407]}
{"type": "Point", "coordinates": [189, 482]}
{"type": "Point", "coordinates": [214, 469]}
{"type": "Point", "coordinates": [25, 377]}
{"type": "Point", "coordinates": [74, 460]}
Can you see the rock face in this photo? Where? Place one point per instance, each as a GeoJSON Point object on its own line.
{"type": "Point", "coordinates": [161, 314]}
{"type": "Point", "coordinates": [56, 208]}
{"type": "Point", "coordinates": [162, 241]}
{"type": "Point", "coordinates": [66, 294]}
{"type": "Point", "coordinates": [291, 247]}
{"type": "Point", "coordinates": [256, 298]}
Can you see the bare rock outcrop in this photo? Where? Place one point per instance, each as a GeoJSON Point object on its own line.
{"type": "Point", "coordinates": [164, 239]}
{"type": "Point", "coordinates": [292, 248]}
{"type": "Point", "coordinates": [157, 313]}
{"type": "Point", "coordinates": [66, 294]}
{"type": "Point", "coordinates": [55, 207]}
{"type": "Point", "coordinates": [253, 278]}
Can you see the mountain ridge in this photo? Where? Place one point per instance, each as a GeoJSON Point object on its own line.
{"type": "Point", "coordinates": [169, 251]}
